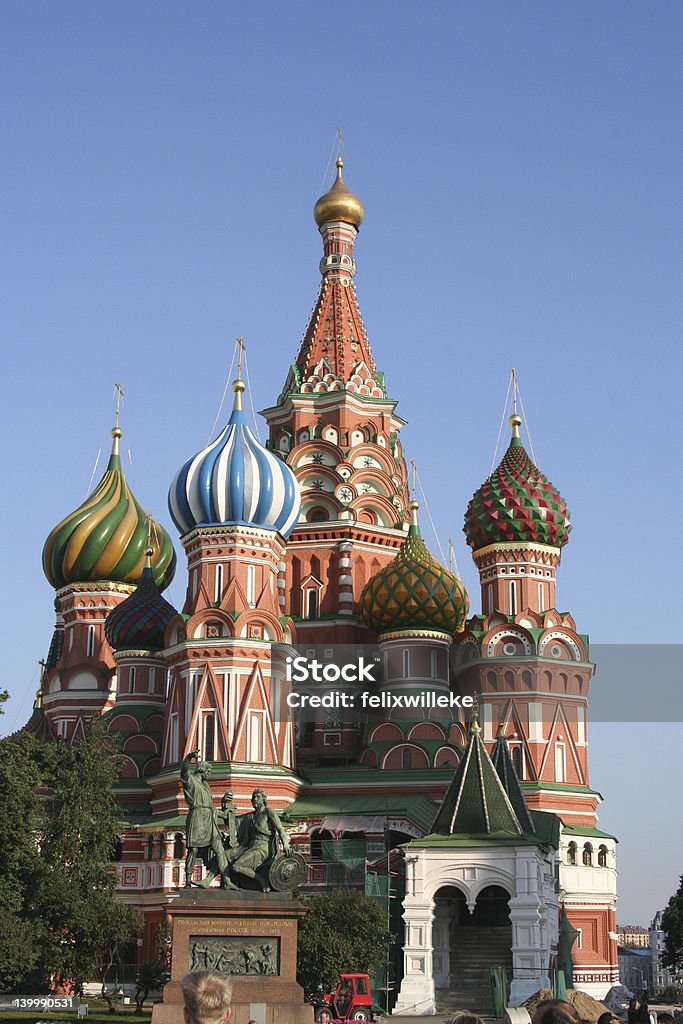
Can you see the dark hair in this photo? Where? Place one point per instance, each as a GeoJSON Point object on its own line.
{"type": "Point", "coordinates": [606, 1018]}
{"type": "Point", "coordinates": [555, 1011]}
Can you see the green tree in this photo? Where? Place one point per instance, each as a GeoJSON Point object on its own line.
{"type": "Point", "coordinates": [672, 926]}
{"type": "Point", "coordinates": [340, 933]}
{"type": "Point", "coordinates": [20, 811]}
{"type": "Point", "coordinates": [59, 845]}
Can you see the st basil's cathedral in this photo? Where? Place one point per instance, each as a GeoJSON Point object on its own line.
{"type": "Point", "coordinates": [484, 824]}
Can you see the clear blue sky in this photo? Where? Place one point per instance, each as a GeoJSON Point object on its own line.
{"type": "Point", "coordinates": [520, 166]}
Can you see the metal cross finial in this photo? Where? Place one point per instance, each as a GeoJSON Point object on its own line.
{"type": "Point", "coordinates": [340, 142]}
{"type": "Point", "coordinates": [514, 390]}
{"type": "Point", "coordinates": [149, 530]}
{"type": "Point", "coordinates": [451, 554]}
{"type": "Point", "coordinates": [413, 473]}
{"type": "Point", "coordinates": [119, 397]}
{"type": "Point", "coordinates": [241, 350]}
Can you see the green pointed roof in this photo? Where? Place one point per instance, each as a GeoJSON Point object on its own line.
{"type": "Point", "coordinates": [502, 762]}
{"type": "Point", "coordinates": [476, 803]}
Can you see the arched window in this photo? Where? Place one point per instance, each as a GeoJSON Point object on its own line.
{"type": "Point", "coordinates": [312, 604]}
{"type": "Point", "coordinates": [571, 853]}
{"type": "Point", "coordinates": [218, 595]}
{"type": "Point", "coordinates": [602, 856]}
{"type": "Point", "coordinates": [131, 676]}
{"type": "Point", "coordinates": [513, 597]}
{"type": "Point", "coordinates": [541, 598]}
{"type": "Point", "coordinates": [406, 664]}
{"type": "Point", "coordinates": [405, 758]}
{"type": "Point", "coordinates": [489, 591]}
{"type": "Point", "coordinates": [517, 760]}
{"type": "Point", "coordinates": [90, 644]}
{"type": "Point", "coordinates": [433, 665]}
{"type": "Point", "coordinates": [587, 855]}
{"type": "Point", "coordinates": [251, 585]}
{"type": "Point", "coordinates": [317, 515]}
{"type": "Point", "coordinates": [178, 846]}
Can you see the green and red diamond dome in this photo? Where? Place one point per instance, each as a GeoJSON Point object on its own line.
{"type": "Point", "coordinates": [517, 503]}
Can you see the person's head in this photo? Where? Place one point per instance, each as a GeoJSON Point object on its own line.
{"type": "Point", "coordinates": [206, 997]}
{"type": "Point", "coordinates": [608, 1018]}
{"type": "Point", "coordinates": [258, 799]}
{"type": "Point", "coordinates": [324, 1018]}
{"type": "Point", "coordinates": [204, 769]}
{"type": "Point", "coordinates": [555, 1011]}
{"type": "Point", "coordinates": [225, 800]}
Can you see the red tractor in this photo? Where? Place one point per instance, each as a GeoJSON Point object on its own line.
{"type": "Point", "coordinates": [351, 1000]}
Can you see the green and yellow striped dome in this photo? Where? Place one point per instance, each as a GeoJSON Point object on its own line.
{"type": "Point", "coordinates": [414, 592]}
{"type": "Point", "coordinates": [106, 537]}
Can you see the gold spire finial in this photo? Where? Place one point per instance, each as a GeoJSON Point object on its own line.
{"type": "Point", "coordinates": [515, 420]}
{"type": "Point", "coordinates": [239, 387]}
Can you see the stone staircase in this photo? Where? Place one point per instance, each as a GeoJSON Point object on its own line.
{"type": "Point", "coordinates": [473, 951]}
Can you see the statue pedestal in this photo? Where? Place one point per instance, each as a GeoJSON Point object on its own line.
{"type": "Point", "coordinates": [247, 936]}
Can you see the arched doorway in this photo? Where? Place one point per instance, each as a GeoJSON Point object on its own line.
{"type": "Point", "coordinates": [467, 945]}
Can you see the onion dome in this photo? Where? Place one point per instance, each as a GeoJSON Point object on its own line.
{"type": "Point", "coordinates": [339, 204]}
{"type": "Point", "coordinates": [235, 480]}
{"type": "Point", "coordinates": [140, 621]}
{"type": "Point", "coordinates": [106, 537]}
{"type": "Point", "coordinates": [517, 503]}
{"type": "Point", "coordinates": [414, 591]}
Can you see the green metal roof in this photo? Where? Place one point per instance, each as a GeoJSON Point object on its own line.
{"type": "Point", "coordinates": [476, 803]}
{"type": "Point", "coordinates": [588, 831]}
{"type": "Point", "coordinates": [418, 809]}
{"type": "Point", "coordinates": [502, 762]}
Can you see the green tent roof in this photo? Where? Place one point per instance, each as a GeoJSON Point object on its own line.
{"type": "Point", "coordinates": [476, 803]}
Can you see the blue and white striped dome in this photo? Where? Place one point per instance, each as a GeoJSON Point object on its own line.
{"type": "Point", "coordinates": [235, 480]}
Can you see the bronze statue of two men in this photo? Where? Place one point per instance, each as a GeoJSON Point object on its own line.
{"type": "Point", "coordinates": [231, 845]}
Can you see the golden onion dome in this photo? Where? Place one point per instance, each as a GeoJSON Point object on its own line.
{"type": "Point", "coordinates": [339, 204]}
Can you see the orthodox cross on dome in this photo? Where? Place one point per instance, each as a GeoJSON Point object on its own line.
{"type": "Point", "coordinates": [119, 398]}
{"type": "Point", "coordinates": [241, 351]}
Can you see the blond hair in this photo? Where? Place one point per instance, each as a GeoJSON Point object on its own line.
{"type": "Point", "coordinates": [206, 996]}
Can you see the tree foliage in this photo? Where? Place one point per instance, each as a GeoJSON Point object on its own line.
{"type": "Point", "coordinates": [58, 827]}
{"type": "Point", "coordinates": [672, 926]}
{"type": "Point", "coordinates": [341, 933]}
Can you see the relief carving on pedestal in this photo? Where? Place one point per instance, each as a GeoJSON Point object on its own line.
{"type": "Point", "coordinates": [234, 954]}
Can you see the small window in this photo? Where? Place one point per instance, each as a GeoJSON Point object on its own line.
{"type": "Point", "coordinates": [541, 598]}
{"type": "Point", "coordinates": [579, 938]}
{"type": "Point", "coordinates": [406, 664]}
{"type": "Point", "coordinates": [433, 665]}
{"type": "Point", "coordinates": [405, 758]}
{"type": "Point", "coordinates": [602, 857]}
{"type": "Point", "coordinates": [317, 515]}
{"type": "Point", "coordinates": [251, 585]}
{"type": "Point", "coordinates": [218, 595]}
{"type": "Point", "coordinates": [571, 853]}
{"type": "Point", "coordinates": [517, 761]}
{"type": "Point", "coordinates": [312, 604]}
{"type": "Point", "coordinates": [513, 598]}
{"type": "Point", "coordinates": [209, 735]}
{"type": "Point", "coordinates": [131, 679]}
{"type": "Point", "coordinates": [587, 855]}
{"type": "Point", "coordinates": [560, 763]}
{"type": "Point", "coordinates": [90, 644]}
{"type": "Point", "coordinates": [489, 591]}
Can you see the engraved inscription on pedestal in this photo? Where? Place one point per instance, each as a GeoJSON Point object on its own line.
{"type": "Point", "coordinates": [235, 954]}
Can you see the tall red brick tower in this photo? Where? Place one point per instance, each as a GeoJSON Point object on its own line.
{"type": "Point", "coordinates": [531, 668]}
{"type": "Point", "coordinates": [234, 504]}
{"type": "Point", "coordinates": [338, 430]}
